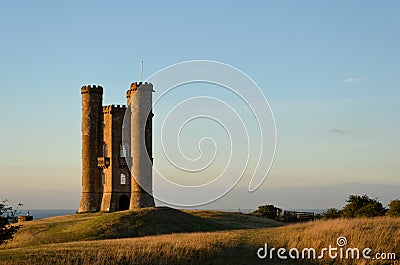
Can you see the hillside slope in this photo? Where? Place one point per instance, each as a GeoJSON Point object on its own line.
{"type": "Point", "coordinates": [221, 247]}
{"type": "Point", "coordinates": [168, 236]}
{"type": "Point", "coordinates": [135, 223]}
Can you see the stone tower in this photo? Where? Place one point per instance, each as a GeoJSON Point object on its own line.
{"type": "Point", "coordinates": [110, 166]}
{"type": "Point", "coordinates": [115, 174]}
{"type": "Point", "coordinates": [139, 98]}
{"type": "Point", "coordinates": [92, 138]}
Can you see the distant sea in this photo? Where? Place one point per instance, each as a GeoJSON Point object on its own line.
{"type": "Point", "coordinates": [40, 214]}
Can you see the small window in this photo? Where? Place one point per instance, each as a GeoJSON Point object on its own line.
{"type": "Point", "coordinates": [123, 152]}
{"type": "Point", "coordinates": [103, 178]}
{"type": "Point", "coordinates": [104, 150]}
{"type": "Point", "coordinates": [123, 179]}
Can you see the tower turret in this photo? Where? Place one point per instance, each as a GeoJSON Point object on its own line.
{"type": "Point", "coordinates": [139, 98]}
{"type": "Point", "coordinates": [92, 138]}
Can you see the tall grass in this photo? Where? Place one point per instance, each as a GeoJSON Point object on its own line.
{"type": "Point", "coordinates": [126, 224]}
{"type": "Point", "coordinates": [223, 247]}
{"type": "Point", "coordinates": [380, 234]}
{"type": "Point", "coordinates": [166, 249]}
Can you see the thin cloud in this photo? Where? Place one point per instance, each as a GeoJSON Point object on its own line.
{"type": "Point", "coordinates": [337, 131]}
{"type": "Point", "coordinates": [351, 80]}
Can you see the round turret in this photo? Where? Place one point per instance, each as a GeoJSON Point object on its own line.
{"type": "Point", "coordinates": [139, 98]}
{"type": "Point", "coordinates": [92, 121]}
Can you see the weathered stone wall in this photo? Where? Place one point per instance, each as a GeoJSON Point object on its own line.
{"type": "Point", "coordinates": [113, 189]}
{"type": "Point", "coordinates": [102, 161]}
{"type": "Point", "coordinates": [92, 134]}
{"type": "Point", "coordinates": [140, 98]}
{"type": "Point", "coordinates": [24, 218]}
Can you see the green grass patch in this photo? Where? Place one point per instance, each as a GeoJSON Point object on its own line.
{"type": "Point", "coordinates": [133, 223]}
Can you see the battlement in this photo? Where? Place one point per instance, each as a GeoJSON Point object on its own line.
{"type": "Point", "coordinates": [114, 108]}
{"type": "Point", "coordinates": [135, 85]}
{"type": "Point", "coordinates": [92, 89]}
{"type": "Point", "coordinates": [107, 180]}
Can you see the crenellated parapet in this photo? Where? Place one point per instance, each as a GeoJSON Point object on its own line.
{"type": "Point", "coordinates": [92, 89]}
{"type": "Point", "coordinates": [110, 109]}
{"type": "Point", "coordinates": [92, 138]}
{"type": "Point", "coordinates": [108, 181]}
{"type": "Point", "coordinates": [138, 85]}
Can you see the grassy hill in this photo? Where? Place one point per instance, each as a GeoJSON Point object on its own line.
{"type": "Point", "coordinates": [167, 236]}
{"type": "Point", "coordinates": [135, 223]}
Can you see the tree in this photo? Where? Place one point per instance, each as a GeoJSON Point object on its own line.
{"type": "Point", "coordinates": [7, 217]}
{"type": "Point", "coordinates": [394, 208]}
{"type": "Point", "coordinates": [332, 213]}
{"type": "Point", "coordinates": [268, 211]}
{"type": "Point", "coordinates": [362, 206]}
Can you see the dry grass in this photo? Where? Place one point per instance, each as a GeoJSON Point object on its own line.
{"type": "Point", "coordinates": [192, 248]}
{"type": "Point", "coordinates": [150, 250]}
{"type": "Point", "coordinates": [379, 234]}
{"type": "Point", "coordinates": [221, 247]}
{"type": "Point", "coordinates": [127, 224]}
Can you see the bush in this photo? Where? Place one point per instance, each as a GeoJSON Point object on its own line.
{"type": "Point", "coordinates": [362, 206]}
{"type": "Point", "coordinates": [394, 208]}
{"type": "Point", "coordinates": [7, 216]}
{"type": "Point", "coordinates": [332, 213]}
{"type": "Point", "coordinates": [268, 211]}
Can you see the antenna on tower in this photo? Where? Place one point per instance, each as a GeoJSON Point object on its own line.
{"type": "Point", "coordinates": [141, 71]}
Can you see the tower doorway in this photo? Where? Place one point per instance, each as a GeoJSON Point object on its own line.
{"type": "Point", "coordinates": [123, 203]}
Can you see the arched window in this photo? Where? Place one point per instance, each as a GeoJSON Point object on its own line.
{"type": "Point", "coordinates": [124, 179]}
{"type": "Point", "coordinates": [123, 150]}
{"type": "Point", "coordinates": [104, 150]}
{"type": "Point", "coordinates": [103, 178]}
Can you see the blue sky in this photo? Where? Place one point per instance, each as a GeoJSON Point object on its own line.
{"type": "Point", "coordinates": [330, 71]}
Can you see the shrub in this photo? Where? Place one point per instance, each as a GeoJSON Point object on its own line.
{"type": "Point", "coordinates": [268, 211]}
{"type": "Point", "coordinates": [362, 206]}
{"type": "Point", "coordinates": [332, 213]}
{"type": "Point", "coordinates": [7, 216]}
{"type": "Point", "coordinates": [394, 208]}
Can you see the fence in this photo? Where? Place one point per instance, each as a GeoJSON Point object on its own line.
{"type": "Point", "coordinates": [293, 216]}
